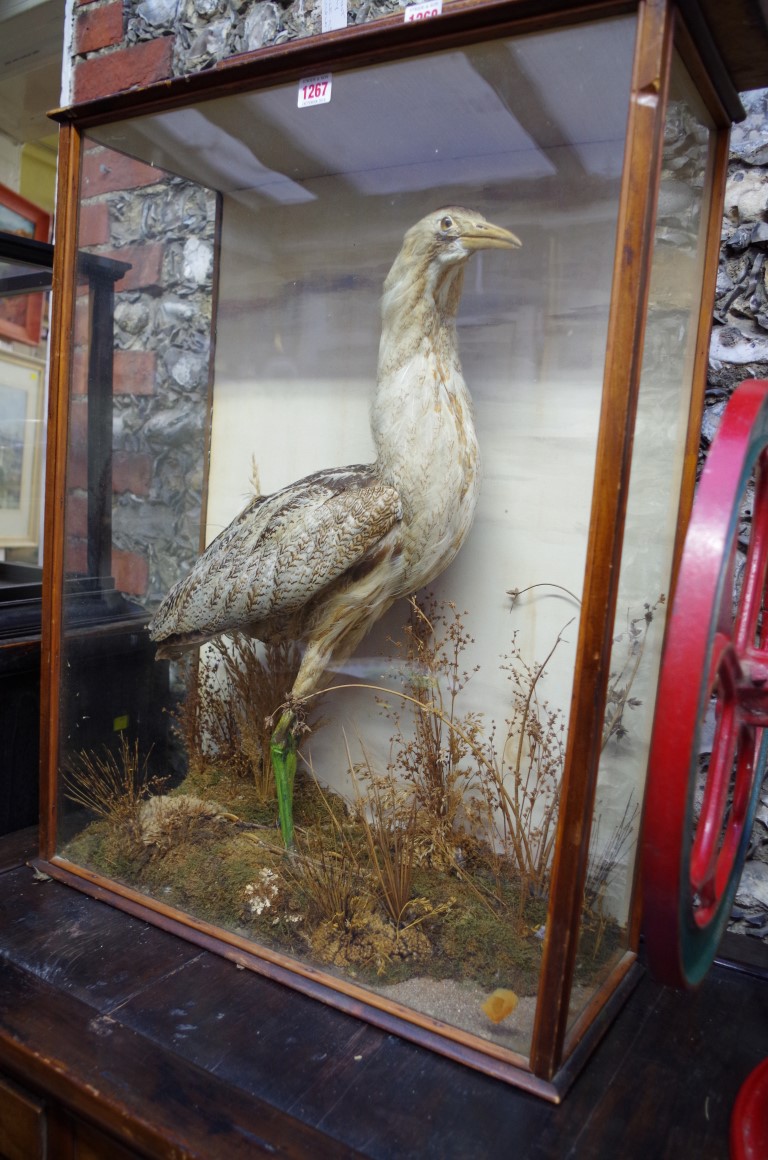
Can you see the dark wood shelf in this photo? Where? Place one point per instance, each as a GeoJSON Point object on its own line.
{"type": "Point", "coordinates": [171, 1051]}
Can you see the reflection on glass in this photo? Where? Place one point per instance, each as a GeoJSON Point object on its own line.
{"type": "Point", "coordinates": [657, 463]}
{"type": "Point", "coordinates": [143, 356]}
{"type": "Point", "coordinates": [245, 337]}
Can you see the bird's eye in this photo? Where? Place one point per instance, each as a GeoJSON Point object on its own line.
{"type": "Point", "coordinates": [446, 222]}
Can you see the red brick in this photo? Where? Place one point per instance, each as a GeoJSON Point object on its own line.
{"type": "Point", "coordinates": [146, 265]}
{"type": "Point", "coordinates": [82, 314]}
{"type": "Point", "coordinates": [131, 472]}
{"type": "Point", "coordinates": [105, 171]}
{"type": "Point", "coordinates": [93, 228]}
{"type": "Point", "coordinates": [134, 372]}
{"type": "Point", "coordinates": [77, 515]}
{"type": "Point", "coordinates": [79, 380]}
{"type": "Point", "coordinates": [78, 423]}
{"type": "Point", "coordinates": [126, 68]}
{"type": "Point", "coordinates": [75, 556]}
{"type": "Point", "coordinates": [97, 28]}
{"type": "Point", "coordinates": [77, 460]}
{"type": "Point", "coordinates": [131, 572]}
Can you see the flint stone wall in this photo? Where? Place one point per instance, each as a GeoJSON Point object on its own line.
{"type": "Point", "coordinates": [207, 31]}
{"type": "Point", "coordinates": [739, 347]}
{"type": "Point", "coordinates": [163, 227]}
{"type": "Point", "coordinates": [152, 40]}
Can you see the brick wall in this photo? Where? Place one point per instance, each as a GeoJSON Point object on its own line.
{"type": "Point", "coordinates": [104, 60]}
{"type": "Point", "coordinates": [122, 45]}
{"type": "Point", "coordinates": [134, 371]}
{"type": "Point", "coordinates": [139, 215]}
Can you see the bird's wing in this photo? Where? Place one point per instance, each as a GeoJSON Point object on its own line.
{"type": "Point", "coordinates": [280, 552]}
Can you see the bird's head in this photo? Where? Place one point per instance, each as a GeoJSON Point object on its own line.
{"type": "Point", "coordinates": [435, 251]}
{"type": "Point", "coordinates": [450, 235]}
{"type": "Point", "coordinates": [424, 288]}
{"type": "Point", "coordinates": [458, 232]}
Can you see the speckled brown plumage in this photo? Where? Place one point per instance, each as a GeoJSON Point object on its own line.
{"type": "Point", "coordinates": [321, 560]}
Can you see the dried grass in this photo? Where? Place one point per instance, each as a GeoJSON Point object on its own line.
{"type": "Point", "coordinates": [507, 792]}
{"type": "Point", "coordinates": [387, 816]}
{"type": "Point", "coordinates": [326, 870]}
{"type": "Point", "coordinates": [232, 692]}
{"type": "Point", "coordinates": [111, 785]}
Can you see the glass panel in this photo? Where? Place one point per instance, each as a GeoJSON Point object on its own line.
{"type": "Point", "coordinates": [651, 526]}
{"type": "Point", "coordinates": [427, 785]}
{"type": "Point", "coordinates": [22, 275]}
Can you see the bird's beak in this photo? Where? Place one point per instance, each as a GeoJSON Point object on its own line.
{"type": "Point", "coordinates": [489, 237]}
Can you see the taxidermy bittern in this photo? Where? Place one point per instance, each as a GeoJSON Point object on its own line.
{"type": "Point", "coordinates": [321, 560]}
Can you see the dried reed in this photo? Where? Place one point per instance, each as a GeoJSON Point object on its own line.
{"type": "Point", "coordinates": [468, 784]}
{"type": "Point", "coordinates": [327, 872]}
{"type": "Point", "coordinates": [619, 694]}
{"type": "Point", "coordinates": [388, 818]}
{"type": "Point", "coordinates": [111, 785]}
{"type": "Point", "coordinates": [231, 693]}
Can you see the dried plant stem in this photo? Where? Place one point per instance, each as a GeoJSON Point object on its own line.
{"type": "Point", "coordinates": [231, 692]}
{"type": "Point", "coordinates": [517, 592]}
{"type": "Point", "coordinates": [532, 863]}
{"type": "Point", "coordinates": [111, 785]}
{"type": "Point", "coordinates": [519, 834]}
{"type": "Point", "coordinates": [391, 842]}
{"type": "Point", "coordinates": [602, 865]}
{"type": "Point", "coordinates": [330, 881]}
{"type": "Point", "coordinates": [328, 871]}
{"type": "Point", "coordinates": [429, 707]}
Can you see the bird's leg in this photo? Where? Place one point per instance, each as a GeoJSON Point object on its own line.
{"type": "Point", "coordinates": [283, 747]}
{"type": "Point", "coordinates": [284, 741]}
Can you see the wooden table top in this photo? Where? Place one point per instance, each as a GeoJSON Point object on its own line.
{"type": "Point", "coordinates": [179, 1052]}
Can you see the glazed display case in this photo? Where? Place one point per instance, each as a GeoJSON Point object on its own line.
{"type": "Point", "coordinates": [393, 739]}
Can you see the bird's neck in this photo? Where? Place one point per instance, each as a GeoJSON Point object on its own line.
{"type": "Point", "coordinates": [418, 311]}
{"type": "Point", "coordinates": [419, 372]}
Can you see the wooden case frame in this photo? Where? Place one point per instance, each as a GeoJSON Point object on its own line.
{"type": "Point", "coordinates": [556, 1051]}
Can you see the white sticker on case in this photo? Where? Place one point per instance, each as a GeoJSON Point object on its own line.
{"type": "Point", "coordinates": [333, 15]}
{"type": "Point", "coordinates": [423, 11]}
{"type": "Point", "coordinates": [315, 90]}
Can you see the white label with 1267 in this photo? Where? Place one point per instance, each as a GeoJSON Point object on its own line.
{"type": "Point", "coordinates": [315, 90]}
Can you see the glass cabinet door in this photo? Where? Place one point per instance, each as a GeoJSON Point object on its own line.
{"type": "Point", "coordinates": [337, 382]}
{"type": "Point", "coordinates": [664, 404]}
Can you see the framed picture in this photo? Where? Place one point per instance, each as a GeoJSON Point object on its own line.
{"type": "Point", "coordinates": [21, 450]}
{"type": "Point", "coordinates": [21, 315]}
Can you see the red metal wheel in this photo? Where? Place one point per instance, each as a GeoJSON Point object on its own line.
{"type": "Point", "coordinates": [715, 667]}
{"type": "Point", "coordinates": [749, 1119]}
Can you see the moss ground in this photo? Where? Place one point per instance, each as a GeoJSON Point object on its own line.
{"type": "Point", "coordinates": [213, 850]}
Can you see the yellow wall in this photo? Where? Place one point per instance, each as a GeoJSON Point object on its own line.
{"type": "Point", "coordinates": [38, 172]}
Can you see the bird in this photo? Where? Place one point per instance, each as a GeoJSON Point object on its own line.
{"type": "Point", "coordinates": [321, 560]}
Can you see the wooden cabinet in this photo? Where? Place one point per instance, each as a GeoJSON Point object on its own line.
{"type": "Point", "coordinates": [34, 1128]}
{"type": "Point", "coordinates": [22, 1124]}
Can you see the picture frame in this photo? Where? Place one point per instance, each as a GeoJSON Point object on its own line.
{"type": "Point", "coordinates": [21, 314]}
{"type": "Point", "coordinates": [21, 449]}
